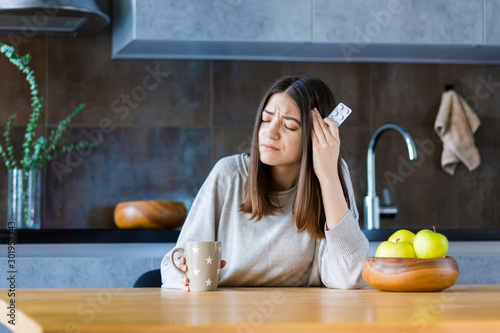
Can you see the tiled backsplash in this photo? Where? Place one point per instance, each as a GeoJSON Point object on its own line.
{"type": "Point", "coordinates": [162, 125]}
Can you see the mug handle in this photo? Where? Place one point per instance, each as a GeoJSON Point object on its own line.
{"type": "Point", "coordinates": [181, 250]}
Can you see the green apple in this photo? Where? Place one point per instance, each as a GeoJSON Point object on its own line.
{"type": "Point", "coordinates": [403, 235]}
{"type": "Point", "coordinates": [395, 249]}
{"type": "Point", "coordinates": [430, 244]}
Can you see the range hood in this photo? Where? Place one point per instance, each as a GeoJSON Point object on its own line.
{"type": "Point", "coordinates": [434, 31]}
{"type": "Point", "coordinates": [58, 17]}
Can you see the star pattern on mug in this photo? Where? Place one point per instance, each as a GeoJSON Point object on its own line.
{"type": "Point", "coordinates": [196, 272]}
{"type": "Point", "coordinates": [209, 260]}
{"type": "Point", "coordinates": [208, 282]}
{"type": "Point", "coordinates": [195, 249]}
{"type": "Point", "coordinates": [218, 271]}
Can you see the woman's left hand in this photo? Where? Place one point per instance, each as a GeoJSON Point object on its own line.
{"type": "Point", "coordinates": [326, 146]}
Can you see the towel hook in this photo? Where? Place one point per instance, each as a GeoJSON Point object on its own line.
{"type": "Point", "coordinates": [449, 86]}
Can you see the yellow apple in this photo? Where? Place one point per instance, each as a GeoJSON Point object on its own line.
{"type": "Point", "coordinates": [395, 249]}
{"type": "Point", "coordinates": [430, 244]}
{"type": "Point", "coordinates": [403, 235]}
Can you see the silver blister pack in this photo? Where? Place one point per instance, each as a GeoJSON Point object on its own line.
{"type": "Point", "coordinates": [340, 113]}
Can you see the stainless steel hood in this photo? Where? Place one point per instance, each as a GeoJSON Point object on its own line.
{"type": "Point", "coordinates": [58, 17]}
{"type": "Point", "coordinates": [437, 31]}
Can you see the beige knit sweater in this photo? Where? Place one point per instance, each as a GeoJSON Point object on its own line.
{"type": "Point", "coordinates": [269, 252]}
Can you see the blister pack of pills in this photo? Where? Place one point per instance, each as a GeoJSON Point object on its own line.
{"type": "Point", "coordinates": [340, 113]}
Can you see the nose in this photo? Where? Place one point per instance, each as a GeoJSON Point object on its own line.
{"type": "Point", "coordinates": [273, 128]}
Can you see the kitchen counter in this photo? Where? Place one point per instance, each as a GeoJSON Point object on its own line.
{"type": "Point", "coordinates": [107, 258]}
{"type": "Point", "coordinates": [465, 308]}
{"type": "Point", "coordinates": [119, 265]}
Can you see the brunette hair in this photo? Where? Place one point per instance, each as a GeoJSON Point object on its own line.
{"type": "Point", "coordinates": [308, 93]}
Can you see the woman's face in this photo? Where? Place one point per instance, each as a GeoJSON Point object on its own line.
{"type": "Point", "coordinates": [280, 133]}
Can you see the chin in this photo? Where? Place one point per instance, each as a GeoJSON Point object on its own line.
{"type": "Point", "coordinates": [275, 162]}
{"type": "Point", "coordinates": [266, 161]}
{"type": "Point", "coordinates": [269, 160]}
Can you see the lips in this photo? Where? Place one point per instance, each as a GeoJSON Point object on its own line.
{"type": "Point", "coordinates": [270, 147]}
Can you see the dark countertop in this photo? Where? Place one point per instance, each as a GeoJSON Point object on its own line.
{"type": "Point", "coordinates": [55, 236]}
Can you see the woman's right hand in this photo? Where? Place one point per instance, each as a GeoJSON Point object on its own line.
{"type": "Point", "coordinates": [183, 267]}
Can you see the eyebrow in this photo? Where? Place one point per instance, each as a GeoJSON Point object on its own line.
{"type": "Point", "coordinates": [286, 117]}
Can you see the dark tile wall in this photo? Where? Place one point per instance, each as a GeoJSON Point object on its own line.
{"type": "Point", "coordinates": [162, 124]}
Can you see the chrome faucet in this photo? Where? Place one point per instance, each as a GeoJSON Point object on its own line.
{"type": "Point", "coordinates": [373, 210]}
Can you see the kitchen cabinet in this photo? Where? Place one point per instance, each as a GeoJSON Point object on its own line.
{"type": "Point", "coordinates": [432, 31]}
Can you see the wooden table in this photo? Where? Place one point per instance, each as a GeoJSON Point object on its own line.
{"type": "Point", "coordinates": [465, 308]}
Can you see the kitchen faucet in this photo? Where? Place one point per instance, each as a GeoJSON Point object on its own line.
{"type": "Point", "coordinates": [373, 210]}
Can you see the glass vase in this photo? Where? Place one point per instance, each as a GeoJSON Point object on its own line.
{"type": "Point", "coordinates": [24, 198]}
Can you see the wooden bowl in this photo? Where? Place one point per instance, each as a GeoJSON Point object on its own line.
{"type": "Point", "coordinates": [410, 274]}
{"type": "Point", "coordinates": [150, 214]}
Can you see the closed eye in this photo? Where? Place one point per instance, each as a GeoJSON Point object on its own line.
{"type": "Point", "coordinates": [267, 117]}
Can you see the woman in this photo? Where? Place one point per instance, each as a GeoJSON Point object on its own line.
{"type": "Point", "coordinates": [285, 214]}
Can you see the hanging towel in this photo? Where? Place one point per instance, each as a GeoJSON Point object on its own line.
{"type": "Point", "coordinates": [456, 124]}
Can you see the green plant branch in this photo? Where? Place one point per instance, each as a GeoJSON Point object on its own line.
{"type": "Point", "coordinates": [37, 106]}
{"type": "Point", "coordinates": [9, 159]}
{"type": "Point", "coordinates": [56, 134]}
{"type": "Point", "coordinates": [37, 158]}
{"type": "Point", "coordinates": [36, 153]}
{"type": "Point", "coordinates": [4, 156]}
{"type": "Point", "coordinates": [69, 148]}
{"type": "Point", "coordinates": [22, 64]}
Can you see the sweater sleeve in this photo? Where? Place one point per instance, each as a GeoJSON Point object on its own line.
{"type": "Point", "coordinates": [345, 248]}
{"type": "Point", "coordinates": [201, 224]}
